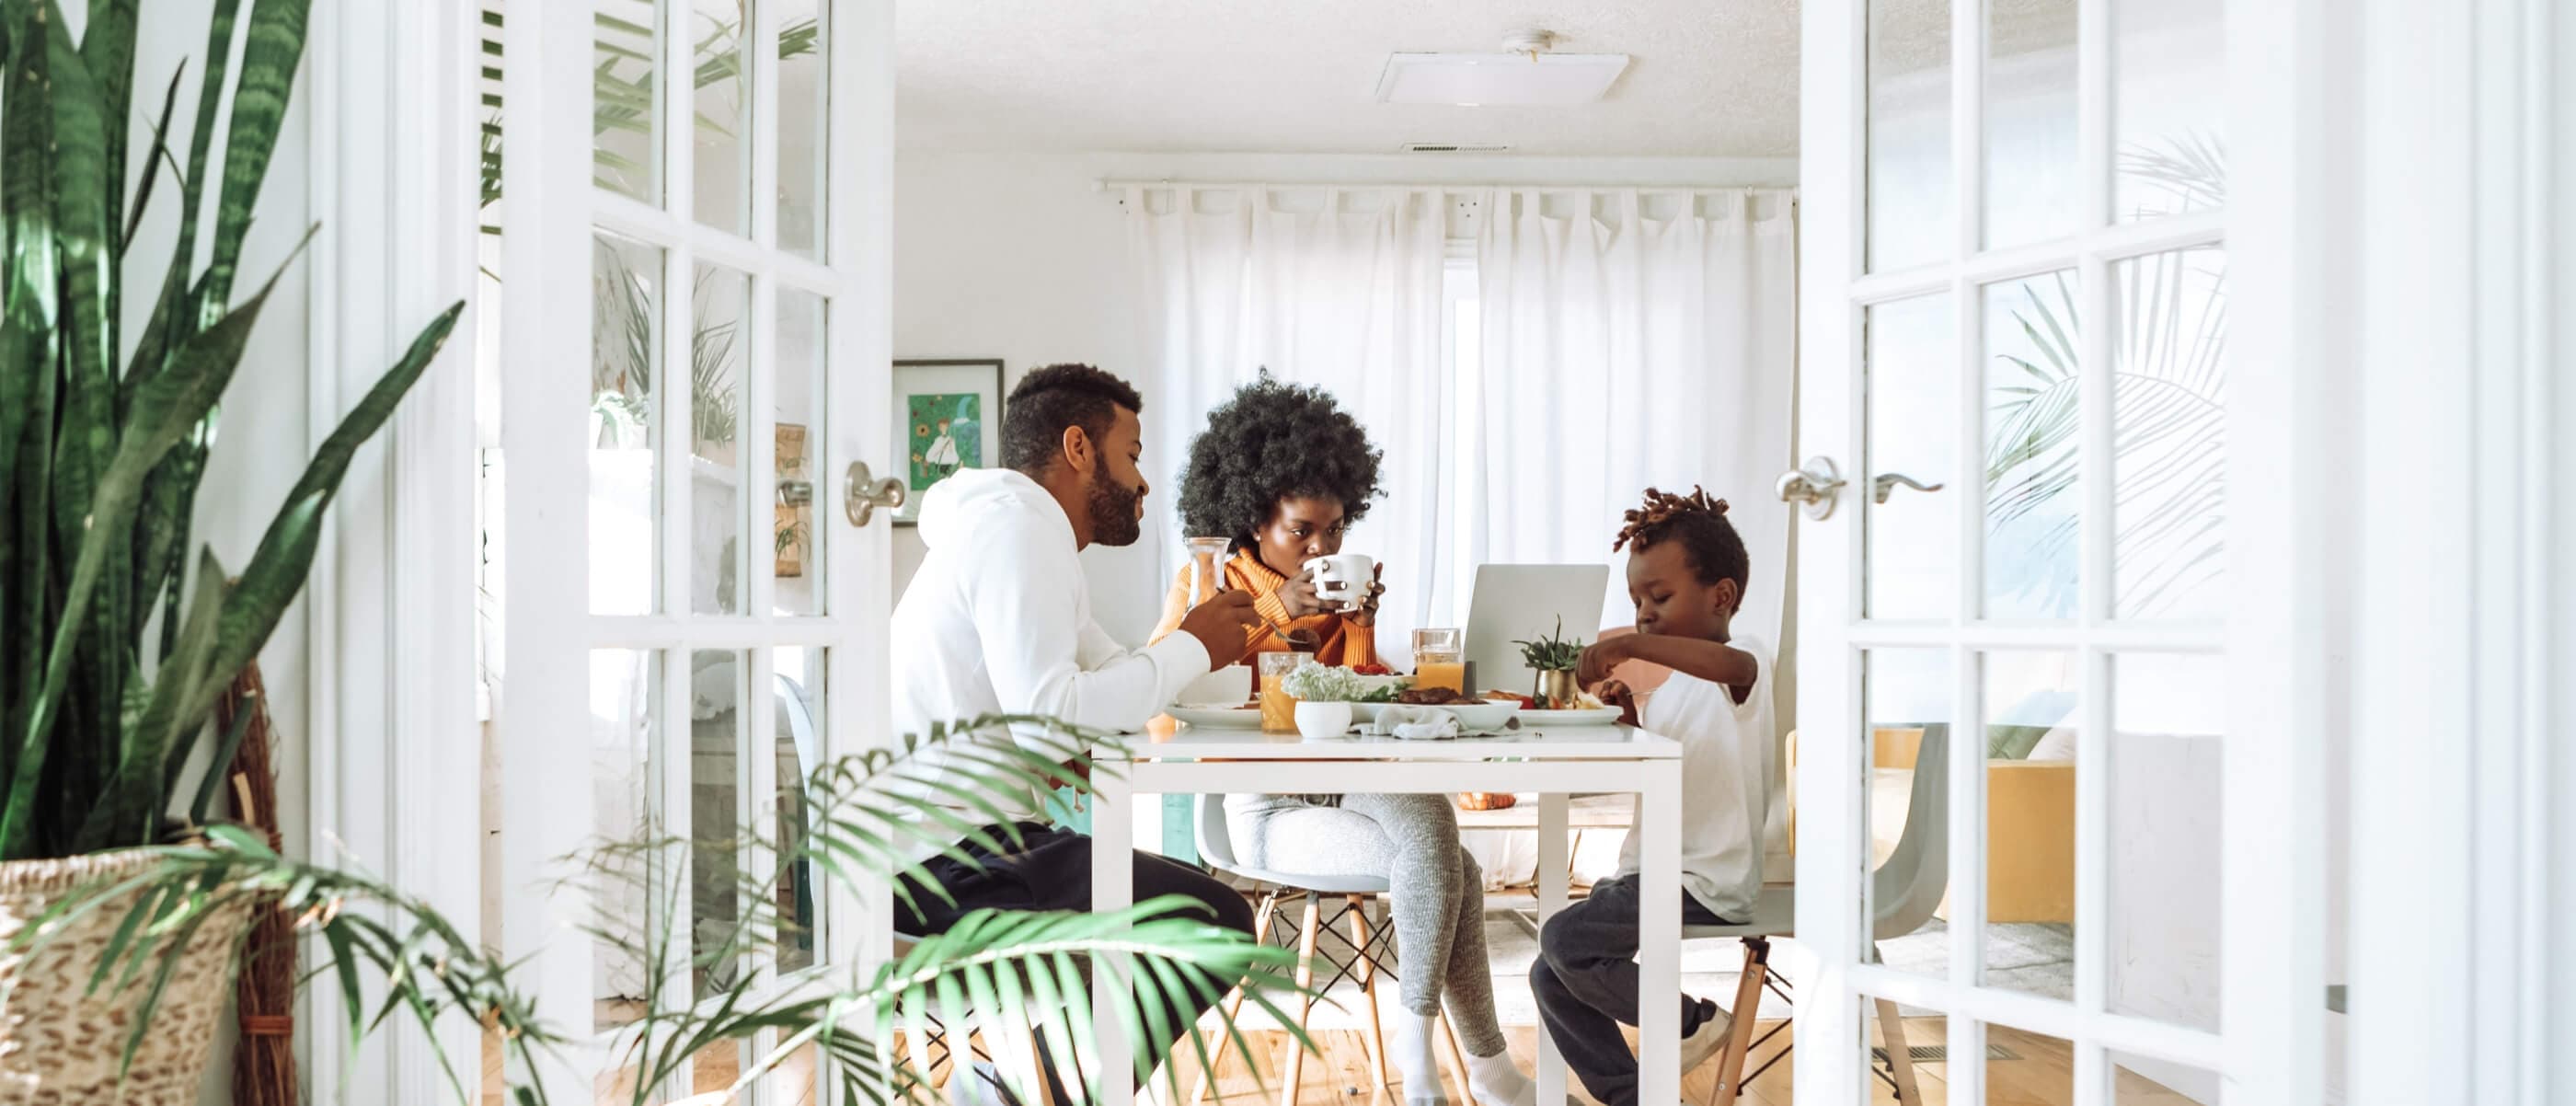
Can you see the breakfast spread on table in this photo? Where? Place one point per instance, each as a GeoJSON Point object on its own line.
{"type": "Point", "coordinates": [1376, 691]}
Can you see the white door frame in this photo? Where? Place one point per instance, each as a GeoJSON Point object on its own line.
{"type": "Point", "coordinates": [2462, 713]}
{"type": "Point", "coordinates": [2272, 932]}
{"type": "Point", "coordinates": [392, 771]}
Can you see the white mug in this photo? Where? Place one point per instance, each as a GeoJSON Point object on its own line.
{"type": "Point", "coordinates": [1342, 579]}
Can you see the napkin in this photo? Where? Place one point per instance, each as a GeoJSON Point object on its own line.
{"type": "Point", "coordinates": [1413, 723]}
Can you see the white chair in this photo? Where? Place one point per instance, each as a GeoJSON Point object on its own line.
{"type": "Point", "coordinates": [1356, 891]}
{"type": "Point", "coordinates": [1904, 892]}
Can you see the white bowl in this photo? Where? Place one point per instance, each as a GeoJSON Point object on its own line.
{"type": "Point", "coordinates": [1316, 721]}
{"type": "Point", "coordinates": [1481, 717]}
{"type": "Point", "coordinates": [1230, 686]}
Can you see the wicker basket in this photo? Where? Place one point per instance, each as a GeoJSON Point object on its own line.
{"type": "Point", "coordinates": [61, 1044]}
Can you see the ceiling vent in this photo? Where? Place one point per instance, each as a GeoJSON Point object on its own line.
{"type": "Point", "coordinates": [1456, 147]}
{"type": "Point", "coordinates": [1525, 72]}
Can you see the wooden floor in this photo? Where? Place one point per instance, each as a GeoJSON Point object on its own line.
{"type": "Point", "coordinates": [2041, 1073]}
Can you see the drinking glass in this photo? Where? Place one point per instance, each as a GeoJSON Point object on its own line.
{"type": "Point", "coordinates": [1207, 568]}
{"type": "Point", "coordinates": [1440, 659]}
{"type": "Point", "coordinates": [1278, 708]}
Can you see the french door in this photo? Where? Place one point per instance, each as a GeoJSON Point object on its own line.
{"type": "Point", "coordinates": [695, 370]}
{"type": "Point", "coordinates": [2021, 843]}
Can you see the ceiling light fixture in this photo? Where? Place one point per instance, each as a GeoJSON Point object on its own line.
{"type": "Point", "coordinates": [1527, 71]}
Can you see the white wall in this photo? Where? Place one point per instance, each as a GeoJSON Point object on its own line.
{"type": "Point", "coordinates": [1018, 256]}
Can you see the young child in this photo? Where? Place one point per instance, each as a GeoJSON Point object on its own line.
{"type": "Point", "coordinates": [1686, 573]}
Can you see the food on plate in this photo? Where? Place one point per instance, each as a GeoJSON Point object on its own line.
{"type": "Point", "coordinates": [1432, 697]}
{"type": "Point", "coordinates": [1522, 701]}
{"type": "Point", "coordinates": [1486, 800]}
{"type": "Point", "coordinates": [1372, 669]}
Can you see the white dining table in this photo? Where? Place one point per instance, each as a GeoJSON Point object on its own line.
{"type": "Point", "coordinates": [1554, 763]}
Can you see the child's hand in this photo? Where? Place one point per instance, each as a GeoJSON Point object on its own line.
{"type": "Point", "coordinates": [1618, 695]}
{"type": "Point", "coordinates": [1599, 659]}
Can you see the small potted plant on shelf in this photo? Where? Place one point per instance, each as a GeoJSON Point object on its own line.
{"type": "Point", "coordinates": [1553, 659]}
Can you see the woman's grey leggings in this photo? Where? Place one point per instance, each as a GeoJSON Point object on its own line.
{"type": "Point", "coordinates": [1411, 841]}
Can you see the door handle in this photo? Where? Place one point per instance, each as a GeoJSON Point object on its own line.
{"type": "Point", "coordinates": [1886, 482]}
{"type": "Point", "coordinates": [862, 493]}
{"type": "Point", "coordinates": [795, 493]}
{"type": "Point", "coordinates": [1816, 484]}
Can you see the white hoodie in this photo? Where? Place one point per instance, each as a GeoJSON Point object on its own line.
{"type": "Point", "coordinates": [998, 620]}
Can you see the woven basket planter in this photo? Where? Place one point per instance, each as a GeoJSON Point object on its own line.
{"type": "Point", "coordinates": [59, 1043]}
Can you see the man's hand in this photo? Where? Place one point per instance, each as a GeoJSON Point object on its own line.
{"type": "Point", "coordinates": [1600, 658]}
{"type": "Point", "coordinates": [1223, 625]}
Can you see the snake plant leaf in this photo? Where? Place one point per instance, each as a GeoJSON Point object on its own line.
{"type": "Point", "coordinates": [30, 350]}
{"type": "Point", "coordinates": [164, 411]}
{"type": "Point", "coordinates": [277, 568]}
{"type": "Point", "coordinates": [269, 60]}
{"type": "Point", "coordinates": [152, 164]}
{"type": "Point", "coordinates": [85, 435]}
{"type": "Point", "coordinates": [107, 51]}
{"type": "Point", "coordinates": [156, 747]}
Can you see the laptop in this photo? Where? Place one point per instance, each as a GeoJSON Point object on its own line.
{"type": "Point", "coordinates": [1523, 603]}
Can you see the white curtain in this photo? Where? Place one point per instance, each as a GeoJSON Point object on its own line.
{"type": "Point", "coordinates": [1632, 338]}
{"type": "Point", "coordinates": [1338, 288]}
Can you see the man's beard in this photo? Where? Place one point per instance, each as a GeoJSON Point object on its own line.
{"type": "Point", "coordinates": [1114, 518]}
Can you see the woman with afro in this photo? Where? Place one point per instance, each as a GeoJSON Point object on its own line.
{"type": "Point", "coordinates": [1283, 471]}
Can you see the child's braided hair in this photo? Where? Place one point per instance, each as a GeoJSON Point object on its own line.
{"type": "Point", "coordinates": [1698, 521]}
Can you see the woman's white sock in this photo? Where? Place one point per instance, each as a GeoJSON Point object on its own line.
{"type": "Point", "coordinates": [1410, 1053]}
{"type": "Point", "coordinates": [1496, 1081]}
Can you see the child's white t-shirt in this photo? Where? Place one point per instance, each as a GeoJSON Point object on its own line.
{"type": "Point", "coordinates": [1730, 769]}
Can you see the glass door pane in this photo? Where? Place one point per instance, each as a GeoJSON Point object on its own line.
{"type": "Point", "coordinates": [1912, 220]}
{"type": "Point", "coordinates": [2033, 383]}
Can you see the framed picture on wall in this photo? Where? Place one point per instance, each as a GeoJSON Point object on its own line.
{"type": "Point", "coordinates": [947, 418]}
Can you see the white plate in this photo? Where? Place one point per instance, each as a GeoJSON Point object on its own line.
{"type": "Point", "coordinates": [1595, 716]}
{"type": "Point", "coordinates": [1220, 718]}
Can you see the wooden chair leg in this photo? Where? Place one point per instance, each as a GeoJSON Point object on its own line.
{"type": "Point", "coordinates": [1457, 1055]}
{"type": "Point", "coordinates": [1900, 1059]}
{"type": "Point", "coordinates": [1358, 910]}
{"type": "Point", "coordinates": [1296, 1065]}
{"type": "Point", "coordinates": [1221, 1040]}
{"type": "Point", "coordinates": [1739, 1034]}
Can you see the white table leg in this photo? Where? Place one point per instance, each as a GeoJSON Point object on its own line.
{"type": "Point", "coordinates": [1554, 870]}
{"type": "Point", "coordinates": [1113, 887]}
{"type": "Point", "coordinates": [1659, 940]}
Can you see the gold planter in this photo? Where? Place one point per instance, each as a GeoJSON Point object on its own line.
{"type": "Point", "coordinates": [1556, 690]}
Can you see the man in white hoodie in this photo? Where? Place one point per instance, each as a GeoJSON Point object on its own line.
{"type": "Point", "coordinates": [998, 620]}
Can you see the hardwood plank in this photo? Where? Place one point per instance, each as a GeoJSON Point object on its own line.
{"type": "Point", "coordinates": [1340, 1075]}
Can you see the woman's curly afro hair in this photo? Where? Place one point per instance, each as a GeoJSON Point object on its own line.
{"type": "Point", "coordinates": [1274, 441]}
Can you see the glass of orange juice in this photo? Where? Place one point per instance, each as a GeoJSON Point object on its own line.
{"type": "Point", "coordinates": [1440, 659]}
{"type": "Point", "coordinates": [1278, 708]}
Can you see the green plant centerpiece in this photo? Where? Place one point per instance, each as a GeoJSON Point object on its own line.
{"type": "Point", "coordinates": [1552, 661]}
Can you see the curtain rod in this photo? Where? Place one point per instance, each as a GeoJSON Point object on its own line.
{"type": "Point", "coordinates": [1121, 184]}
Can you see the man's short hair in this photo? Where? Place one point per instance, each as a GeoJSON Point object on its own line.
{"type": "Point", "coordinates": [1052, 398]}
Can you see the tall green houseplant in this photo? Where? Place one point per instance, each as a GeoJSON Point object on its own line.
{"type": "Point", "coordinates": [121, 636]}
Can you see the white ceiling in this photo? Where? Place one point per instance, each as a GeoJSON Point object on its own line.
{"type": "Point", "coordinates": [1707, 78]}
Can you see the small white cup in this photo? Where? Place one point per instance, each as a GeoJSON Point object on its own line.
{"type": "Point", "coordinates": [1317, 721]}
{"type": "Point", "coordinates": [1342, 580]}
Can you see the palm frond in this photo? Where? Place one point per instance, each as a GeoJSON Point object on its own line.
{"type": "Point", "coordinates": [696, 927]}
{"type": "Point", "coordinates": [2168, 394]}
